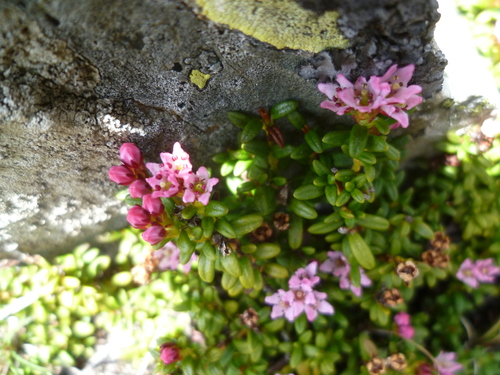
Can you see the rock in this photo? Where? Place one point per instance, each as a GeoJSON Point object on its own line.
{"type": "Point", "coordinates": [79, 78]}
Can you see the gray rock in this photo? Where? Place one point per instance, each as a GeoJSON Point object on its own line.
{"type": "Point", "coordinates": [79, 78]}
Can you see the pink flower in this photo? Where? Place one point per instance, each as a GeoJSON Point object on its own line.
{"type": "Point", "coordinates": [445, 363]}
{"type": "Point", "coordinates": [402, 319]}
{"type": "Point", "coordinates": [139, 188]}
{"type": "Point", "coordinates": [336, 263]}
{"type": "Point", "coordinates": [466, 273]}
{"type": "Point", "coordinates": [178, 162]}
{"type": "Point", "coordinates": [283, 304]}
{"type": "Point", "coordinates": [154, 234]}
{"type": "Point", "coordinates": [198, 186]}
{"type": "Point", "coordinates": [364, 100]}
{"type": "Point", "coordinates": [320, 305]}
{"type": "Point", "coordinates": [346, 283]}
{"type": "Point", "coordinates": [168, 256]}
{"type": "Point", "coordinates": [405, 329]}
{"type": "Point", "coordinates": [306, 278]}
{"type": "Point", "coordinates": [130, 155]}
{"type": "Point", "coordinates": [163, 182]}
{"type": "Point", "coordinates": [138, 217]}
{"type": "Point", "coordinates": [485, 271]}
{"type": "Point", "coordinates": [121, 175]}
{"type": "Point", "coordinates": [406, 332]}
{"type": "Point", "coordinates": [153, 205]}
{"type": "Point", "coordinates": [169, 353]}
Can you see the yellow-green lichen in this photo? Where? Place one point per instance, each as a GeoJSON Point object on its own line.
{"type": "Point", "coordinates": [282, 23]}
{"type": "Point", "coordinates": [198, 78]}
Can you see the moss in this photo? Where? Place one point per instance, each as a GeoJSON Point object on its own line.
{"type": "Point", "coordinates": [198, 78]}
{"type": "Point", "coordinates": [284, 24]}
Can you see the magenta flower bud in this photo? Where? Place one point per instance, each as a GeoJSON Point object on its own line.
{"type": "Point", "coordinates": [406, 331]}
{"type": "Point", "coordinates": [402, 319]}
{"type": "Point", "coordinates": [138, 217]}
{"type": "Point", "coordinates": [130, 155]}
{"type": "Point", "coordinates": [152, 205]}
{"type": "Point", "coordinates": [154, 234]}
{"type": "Point", "coordinates": [139, 188]}
{"type": "Point", "coordinates": [169, 353]}
{"type": "Point", "coordinates": [121, 175]}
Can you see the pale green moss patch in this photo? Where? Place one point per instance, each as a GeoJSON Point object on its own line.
{"type": "Point", "coordinates": [198, 78]}
{"type": "Point", "coordinates": [284, 24]}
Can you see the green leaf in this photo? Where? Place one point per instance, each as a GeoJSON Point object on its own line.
{"type": "Point", "coordinates": [361, 251]}
{"type": "Point", "coordinates": [239, 119]}
{"type": "Point", "coordinates": [251, 129]}
{"type": "Point", "coordinates": [216, 209]}
{"type": "Point", "coordinates": [314, 141]}
{"type": "Point", "coordinates": [357, 140]}
{"type": "Point", "coordinates": [310, 191]}
{"type": "Point", "coordinates": [265, 199]}
{"type": "Point", "coordinates": [283, 109]}
{"type": "Point", "coordinates": [246, 224]}
{"type": "Point", "coordinates": [302, 209]}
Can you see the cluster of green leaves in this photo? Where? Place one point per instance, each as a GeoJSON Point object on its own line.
{"type": "Point", "coordinates": [483, 15]}
{"type": "Point", "coordinates": [52, 314]}
{"type": "Point", "coordinates": [342, 191]}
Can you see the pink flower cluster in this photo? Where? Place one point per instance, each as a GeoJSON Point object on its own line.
{"type": "Point", "coordinates": [446, 363]}
{"type": "Point", "coordinates": [388, 95]}
{"type": "Point", "coordinates": [301, 297]}
{"type": "Point", "coordinates": [482, 271]}
{"type": "Point", "coordinates": [338, 265]}
{"type": "Point", "coordinates": [168, 257]}
{"type": "Point", "coordinates": [405, 328]}
{"type": "Point", "coordinates": [173, 177]}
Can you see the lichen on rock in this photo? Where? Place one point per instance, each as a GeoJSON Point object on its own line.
{"type": "Point", "coordinates": [284, 24]}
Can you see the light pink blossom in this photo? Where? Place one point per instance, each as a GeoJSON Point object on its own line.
{"type": "Point", "coordinates": [164, 182]}
{"type": "Point", "coordinates": [446, 363]}
{"type": "Point", "coordinates": [168, 257]}
{"type": "Point", "coordinates": [320, 305]}
{"type": "Point", "coordinates": [346, 283]}
{"type": "Point", "coordinates": [405, 328]}
{"type": "Point", "coordinates": [337, 264]}
{"type": "Point", "coordinates": [466, 273]}
{"type": "Point", "coordinates": [198, 187]}
{"type": "Point", "coordinates": [177, 162]}
{"type": "Point", "coordinates": [402, 319]}
{"type": "Point", "coordinates": [364, 100]}
{"type": "Point", "coordinates": [305, 278]}
{"type": "Point", "coordinates": [485, 271]}
{"type": "Point", "coordinates": [283, 304]}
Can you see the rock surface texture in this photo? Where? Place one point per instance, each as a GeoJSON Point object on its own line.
{"type": "Point", "coordinates": [78, 78]}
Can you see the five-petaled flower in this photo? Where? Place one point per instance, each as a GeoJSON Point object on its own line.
{"type": "Point", "coordinates": [364, 100]}
{"type": "Point", "coordinates": [446, 363]}
{"type": "Point", "coordinates": [481, 271]}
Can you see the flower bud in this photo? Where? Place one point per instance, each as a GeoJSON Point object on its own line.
{"type": "Point", "coordinates": [406, 331]}
{"type": "Point", "coordinates": [154, 234]}
{"type": "Point", "coordinates": [391, 297]}
{"type": "Point", "coordinates": [397, 361]}
{"type": "Point", "coordinates": [138, 217]}
{"type": "Point", "coordinates": [130, 155]}
{"type": "Point", "coordinates": [407, 271]}
{"type": "Point", "coordinates": [121, 175]}
{"type": "Point", "coordinates": [152, 205]}
{"type": "Point", "coordinates": [435, 258]}
{"type": "Point", "coordinates": [169, 353]}
{"type": "Point", "coordinates": [139, 188]}
{"type": "Point", "coordinates": [376, 366]}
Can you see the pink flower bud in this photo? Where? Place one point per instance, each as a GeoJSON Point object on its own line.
{"type": "Point", "coordinates": [402, 319]}
{"type": "Point", "coordinates": [406, 331]}
{"type": "Point", "coordinates": [152, 205]}
{"type": "Point", "coordinates": [154, 234]}
{"type": "Point", "coordinates": [139, 188]}
{"type": "Point", "coordinates": [138, 217]}
{"type": "Point", "coordinates": [169, 353]}
{"type": "Point", "coordinates": [130, 155]}
{"type": "Point", "coordinates": [121, 175]}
